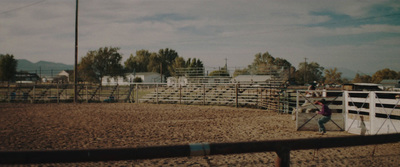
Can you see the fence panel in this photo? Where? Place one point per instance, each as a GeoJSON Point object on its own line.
{"type": "Point", "coordinates": [270, 97]}
{"type": "Point", "coordinates": [281, 147]}
{"type": "Point", "coordinates": [370, 113]}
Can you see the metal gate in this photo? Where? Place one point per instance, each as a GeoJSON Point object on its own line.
{"type": "Point", "coordinates": [306, 116]}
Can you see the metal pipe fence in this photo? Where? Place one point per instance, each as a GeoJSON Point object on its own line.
{"type": "Point", "coordinates": [281, 147]}
{"type": "Point", "coordinates": [270, 97]}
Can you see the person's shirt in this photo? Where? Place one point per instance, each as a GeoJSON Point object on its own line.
{"type": "Point", "coordinates": [325, 111]}
{"type": "Point", "coordinates": [311, 87]}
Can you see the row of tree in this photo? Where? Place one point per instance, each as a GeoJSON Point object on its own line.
{"type": "Point", "coordinates": [106, 61]}
{"type": "Point", "coordinates": [264, 63]}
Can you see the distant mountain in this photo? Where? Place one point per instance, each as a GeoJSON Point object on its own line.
{"type": "Point", "coordinates": [43, 68]}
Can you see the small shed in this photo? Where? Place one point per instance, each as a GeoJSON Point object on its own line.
{"type": "Point", "coordinates": [63, 76]}
{"type": "Point", "coordinates": [22, 77]}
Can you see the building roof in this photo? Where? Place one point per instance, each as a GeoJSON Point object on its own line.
{"type": "Point", "coordinates": [69, 72]}
{"type": "Point", "coordinates": [390, 81]}
{"type": "Point", "coordinates": [144, 73]}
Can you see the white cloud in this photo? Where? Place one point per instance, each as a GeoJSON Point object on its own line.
{"type": "Point", "coordinates": [209, 30]}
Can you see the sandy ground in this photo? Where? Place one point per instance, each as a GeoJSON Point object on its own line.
{"type": "Point", "coordinates": [81, 126]}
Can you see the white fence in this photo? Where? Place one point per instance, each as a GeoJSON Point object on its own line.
{"type": "Point", "coordinates": [370, 113]}
{"type": "Point", "coordinates": [358, 112]}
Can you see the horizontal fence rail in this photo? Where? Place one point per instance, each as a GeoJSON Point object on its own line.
{"type": "Point", "coordinates": [370, 113]}
{"type": "Point", "coordinates": [272, 96]}
{"type": "Point", "coordinates": [281, 147]}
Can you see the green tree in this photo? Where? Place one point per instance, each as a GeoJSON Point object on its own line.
{"type": "Point", "coordinates": [221, 72]}
{"type": "Point", "coordinates": [178, 63]}
{"type": "Point", "coordinates": [138, 63]}
{"type": "Point", "coordinates": [155, 63]}
{"type": "Point", "coordinates": [195, 67]}
{"type": "Point", "coordinates": [362, 78]}
{"type": "Point", "coordinates": [137, 79]}
{"type": "Point", "coordinates": [384, 74]}
{"type": "Point", "coordinates": [266, 64]}
{"type": "Point", "coordinates": [262, 63]}
{"type": "Point", "coordinates": [8, 67]}
{"type": "Point", "coordinates": [308, 72]}
{"type": "Point", "coordinates": [333, 76]}
{"type": "Point", "coordinates": [85, 69]}
{"type": "Point", "coordinates": [244, 71]}
{"type": "Point", "coordinates": [99, 63]}
{"type": "Point", "coordinates": [167, 57]}
{"type": "Point", "coordinates": [166, 61]}
{"type": "Point", "coordinates": [146, 61]}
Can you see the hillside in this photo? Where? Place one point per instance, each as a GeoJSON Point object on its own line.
{"type": "Point", "coordinates": [43, 68]}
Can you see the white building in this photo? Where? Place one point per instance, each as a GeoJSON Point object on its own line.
{"type": "Point", "coordinates": [176, 81]}
{"type": "Point", "coordinates": [62, 76]}
{"type": "Point", "coordinates": [147, 77]}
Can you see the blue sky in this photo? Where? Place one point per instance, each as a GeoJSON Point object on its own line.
{"type": "Point", "coordinates": [361, 36]}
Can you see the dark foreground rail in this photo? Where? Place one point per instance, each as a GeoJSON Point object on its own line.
{"type": "Point", "coordinates": [281, 147]}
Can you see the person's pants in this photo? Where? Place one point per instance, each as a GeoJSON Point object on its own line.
{"type": "Point", "coordinates": [322, 121]}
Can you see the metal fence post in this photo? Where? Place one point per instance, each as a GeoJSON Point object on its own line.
{"type": "Point", "coordinates": [87, 94]}
{"type": "Point", "coordinates": [137, 95]}
{"type": "Point", "coordinates": [33, 94]}
{"type": "Point", "coordinates": [237, 94]}
{"type": "Point", "coordinates": [100, 94]}
{"type": "Point", "coordinates": [204, 94]}
{"type": "Point", "coordinates": [58, 95]}
{"type": "Point", "coordinates": [283, 159]}
{"type": "Point", "coordinates": [180, 94]}
{"type": "Point", "coordinates": [117, 92]}
{"type": "Point", "coordinates": [157, 93]}
{"type": "Point", "coordinates": [8, 92]}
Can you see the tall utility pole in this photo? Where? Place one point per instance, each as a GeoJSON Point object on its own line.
{"type": "Point", "coordinates": [76, 55]}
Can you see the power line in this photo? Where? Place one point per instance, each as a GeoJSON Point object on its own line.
{"type": "Point", "coordinates": [22, 7]}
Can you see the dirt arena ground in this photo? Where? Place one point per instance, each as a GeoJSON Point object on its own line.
{"type": "Point", "coordinates": [84, 126]}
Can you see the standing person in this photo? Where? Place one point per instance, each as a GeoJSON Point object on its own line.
{"type": "Point", "coordinates": [312, 88]}
{"type": "Point", "coordinates": [326, 115]}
